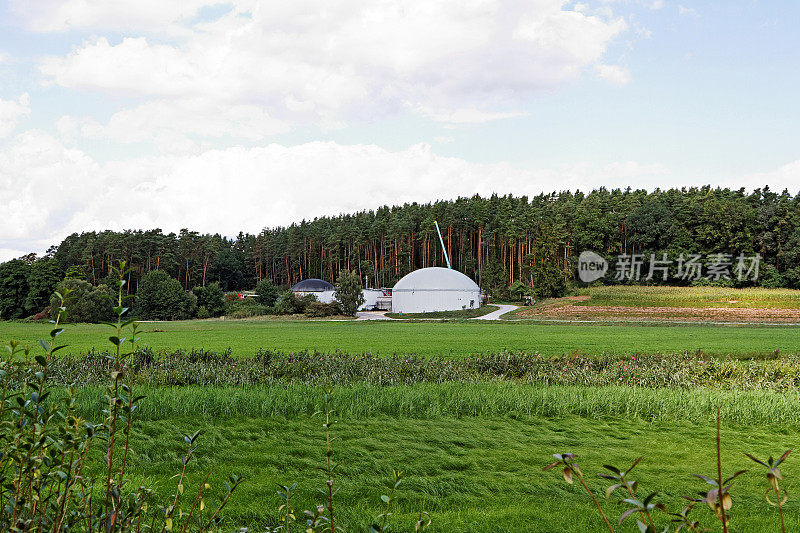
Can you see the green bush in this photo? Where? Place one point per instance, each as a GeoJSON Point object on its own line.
{"type": "Point", "coordinates": [211, 298]}
{"type": "Point", "coordinates": [320, 310]}
{"type": "Point", "coordinates": [348, 292]}
{"type": "Point", "coordinates": [290, 304]}
{"type": "Point", "coordinates": [267, 292]}
{"type": "Point", "coordinates": [50, 482]}
{"type": "Point", "coordinates": [519, 290]}
{"type": "Point", "coordinates": [161, 297]}
{"type": "Point", "coordinates": [245, 308]}
{"type": "Point", "coordinates": [86, 303]}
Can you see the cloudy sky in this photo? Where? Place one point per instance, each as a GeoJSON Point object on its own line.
{"type": "Point", "coordinates": [223, 116]}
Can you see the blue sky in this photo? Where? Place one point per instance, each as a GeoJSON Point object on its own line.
{"type": "Point", "coordinates": [217, 115]}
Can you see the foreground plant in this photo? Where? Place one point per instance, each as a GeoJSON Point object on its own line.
{"type": "Point", "coordinates": [383, 518]}
{"type": "Point", "coordinates": [644, 507]}
{"type": "Point", "coordinates": [718, 497]}
{"type": "Point", "coordinates": [317, 520]}
{"type": "Point", "coordinates": [774, 476]}
{"type": "Point", "coordinates": [47, 449]}
{"type": "Point", "coordinates": [329, 467]}
{"type": "Point", "coordinates": [571, 471]}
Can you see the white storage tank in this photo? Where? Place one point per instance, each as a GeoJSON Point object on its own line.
{"type": "Point", "coordinates": [434, 289]}
{"type": "Point", "coordinates": [318, 287]}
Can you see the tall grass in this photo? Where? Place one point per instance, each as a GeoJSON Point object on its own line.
{"type": "Point", "coordinates": [682, 370]}
{"type": "Point", "coordinates": [431, 401]}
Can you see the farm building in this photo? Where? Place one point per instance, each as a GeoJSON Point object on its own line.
{"type": "Point", "coordinates": [435, 289]}
{"type": "Point", "coordinates": [318, 287]}
{"type": "Point", "coordinates": [373, 298]}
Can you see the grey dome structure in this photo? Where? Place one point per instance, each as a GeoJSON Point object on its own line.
{"type": "Point", "coordinates": [320, 289]}
{"type": "Point", "coordinates": [312, 285]}
{"type": "Point", "coordinates": [434, 289]}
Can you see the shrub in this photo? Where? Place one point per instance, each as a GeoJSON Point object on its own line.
{"type": "Point", "coordinates": [348, 292]}
{"type": "Point", "coordinates": [161, 297]}
{"type": "Point", "coordinates": [319, 309]}
{"type": "Point", "coordinates": [48, 484]}
{"type": "Point", "coordinates": [245, 308]}
{"type": "Point", "coordinates": [267, 292]}
{"type": "Point", "coordinates": [290, 304]}
{"type": "Point", "coordinates": [518, 290]}
{"type": "Point", "coordinates": [211, 298]}
{"type": "Point", "coordinates": [86, 303]}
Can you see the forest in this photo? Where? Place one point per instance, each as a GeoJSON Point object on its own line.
{"type": "Point", "coordinates": [496, 240]}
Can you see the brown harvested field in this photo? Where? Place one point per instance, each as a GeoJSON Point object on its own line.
{"type": "Point", "coordinates": [700, 304]}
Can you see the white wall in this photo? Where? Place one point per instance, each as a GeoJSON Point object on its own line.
{"type": "Point", "coordinates": [325, 297]}
{"type": "Point", "coordinates": [429, 301]}
{"type": "Point", "coordinates": [370, 298]}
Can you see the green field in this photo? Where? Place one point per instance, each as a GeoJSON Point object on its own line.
{"type": "Point", "coordinates": [457, 339]}
{"type": "Point", "coordinates": [468, 458]}
{"type": "Point", "coordinates": [655, 296]}
{"type": "Point", "coordinates": [471, 450]}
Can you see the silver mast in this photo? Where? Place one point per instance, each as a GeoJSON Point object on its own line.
{"type": "Point", "coordinates": [446, 257]}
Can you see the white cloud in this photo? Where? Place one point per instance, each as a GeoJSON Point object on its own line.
{"type": "Point", "coordinates": [61, 15]}
{"type": "Point", "coordinates": [656, 4]}
{"type": "Point", "coordinates": [785, 177]}
{"type": "Point", "coordinates": [614, 74]}
{"type": "Point", "coordinates": [249, 188]}
{"type": "Point", "coordinates": [187, 118]}
{"type": "Point", "coordinates": [246, 189]}
{"type": "Point", "coordinates": [331, 63]}
{"type": "Point", "coordinates": [12, 112]}
{"type": "Point", "coordinates": [688, 11]}
{"type": "Point", "coordinates": [465, 115]}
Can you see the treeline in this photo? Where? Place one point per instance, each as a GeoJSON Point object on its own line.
{"type": "Point", "coordinates": [495, 240]}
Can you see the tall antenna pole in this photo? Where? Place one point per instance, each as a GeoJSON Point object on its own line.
{"type": "Point", "coordinates": [446, 257]}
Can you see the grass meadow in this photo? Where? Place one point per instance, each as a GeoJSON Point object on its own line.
{"type": "Point", "coordinates": [456, 339]}
{"type": "Point", "coordinates": [656, 296]}
{"type": "Point", "coordinates": [472, 448]}
{"type": "Point", "coordinates": [471, 454]}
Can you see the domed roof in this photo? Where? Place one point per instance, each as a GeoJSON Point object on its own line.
{"type": "Point", "coordinates": [435, 279]}
{"type": "Point", "coordinates": [312, 285]}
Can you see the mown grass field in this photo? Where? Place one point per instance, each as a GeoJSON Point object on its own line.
{"type": "Point", "coordinates": [655, 296]}
{"type": "Point", "coordinates": [468, 459]}
{"type": "Point", "coordinates": [456, 339]}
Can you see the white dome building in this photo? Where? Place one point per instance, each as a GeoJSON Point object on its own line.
{"type": "Point", "coordinates": [434, 289]}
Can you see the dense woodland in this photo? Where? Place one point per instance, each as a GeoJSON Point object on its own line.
{"type": "Point", "coordinates": [495, 240]}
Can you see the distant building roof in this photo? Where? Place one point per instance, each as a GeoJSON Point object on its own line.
{"type": "Point", "coordinates": [435, 279]}
{"type": "Point", "coordinates": [312, 285]}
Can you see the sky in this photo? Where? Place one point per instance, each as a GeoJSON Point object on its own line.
{"type": "Point", "coordinates": [234, 116]}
